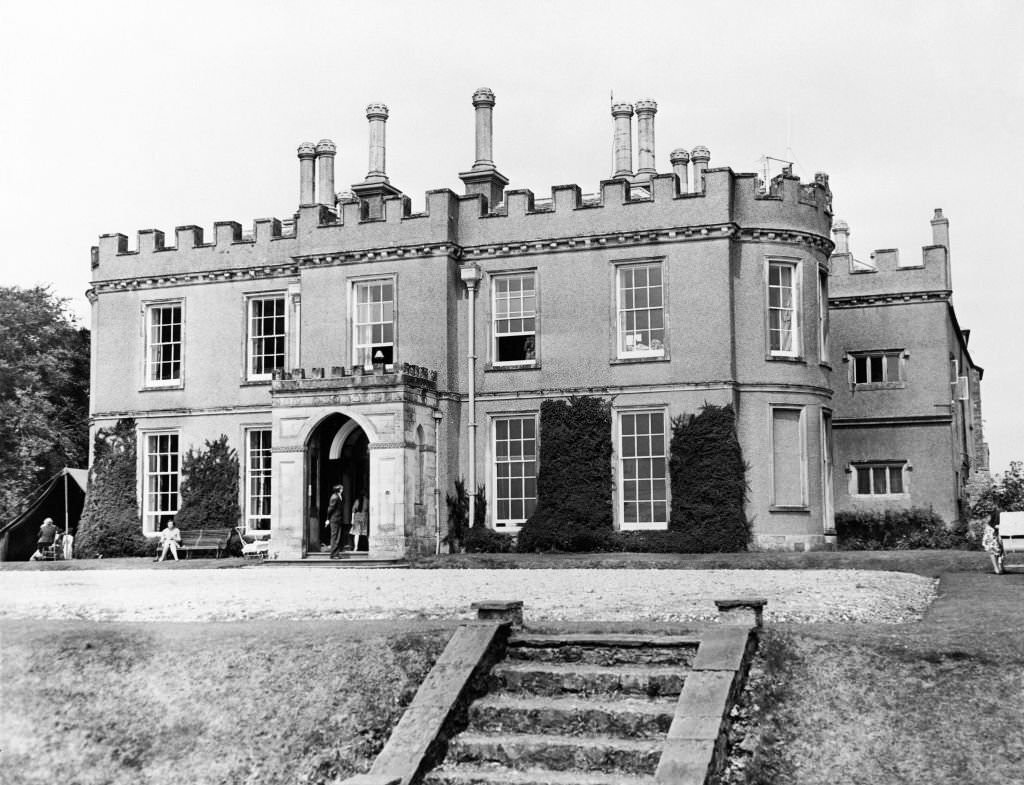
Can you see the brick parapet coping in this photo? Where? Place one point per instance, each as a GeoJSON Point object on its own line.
{"type": "Point", "coordinates": [694, 746]}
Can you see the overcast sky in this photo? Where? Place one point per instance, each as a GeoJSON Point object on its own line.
{"type": "Point", "coordinates": [116, 117]}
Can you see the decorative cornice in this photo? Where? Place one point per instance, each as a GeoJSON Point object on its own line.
{"type": "Point", "coordinates": [887, 422]}
{"type": "Point", "coordinates": [889, 298]}
{"type": "Point", "coordinates": [380, 254]}
{"type": "Point", "coordinates": [287, 269]}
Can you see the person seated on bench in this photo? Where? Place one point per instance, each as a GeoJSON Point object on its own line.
{"type": "Point", "coordinates": [47, 535]}
{"type": "Point", "coordinates": [170, 539]}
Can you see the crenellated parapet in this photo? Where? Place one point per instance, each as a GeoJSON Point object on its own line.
{"type": "Point", "coordinates": [885, 274]}
{"type": "Point", "coordinates": [728, 205]}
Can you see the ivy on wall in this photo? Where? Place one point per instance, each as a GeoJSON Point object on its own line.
{"type": "Point", "coordinates": [110, 525]}
{"type": "Point", "coordinates": [209, 487]}
{"type": "Point", "coordinates": [709, 482]}
{"type": "Point", "coordinates": [574, 485]}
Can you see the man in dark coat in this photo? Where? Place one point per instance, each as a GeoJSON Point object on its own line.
{"type": "Point", "coordinates": [47, 535]}
{"type": "Point", "coordinates": [335, 518]}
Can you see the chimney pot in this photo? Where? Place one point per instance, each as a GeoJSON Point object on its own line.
{"type": "Point", "coordinates": [646, 108]}
{"type": "Point", "coordinates": [377, 114]}
{"type": "Point", "coordinates": [483, 102]}
{"type": "Point", "coordinates": [679, 159]}
{"type": "Point", "coordinates": [307, 168]}
{"type": "Point", "coordinates": [700, 156]}
{"type": "Point", "coordinates": [325, 151]}
{"type": "Point", "coordinates": [623, 114]}
{"type": "Point", "coordinates": [940, 229]}
{"type": "Point", "coordinates": [841, 232]}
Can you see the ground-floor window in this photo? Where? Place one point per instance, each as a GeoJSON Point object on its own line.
{"type": "Point", "coordinates": [643, 470]}
{"type": "Point", "coordinates": [879, 479]}
{"type": "Point", "coordinates": [515, 469]}
{"type": "Point", "coordinates": [161, 478]}
{"type": "Point", "coordinates": [257, 480]}
{"type": "Point", "coordinates": [789, 457]}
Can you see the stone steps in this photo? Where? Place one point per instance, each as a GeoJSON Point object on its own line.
{"type": "Point", "coordinates": [642, 718]}
{"type": "Point", "coordinates": [558, 753]}
{"type": "Point", "coordinates": [572, 709]}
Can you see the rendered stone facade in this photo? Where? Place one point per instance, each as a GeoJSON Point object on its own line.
{"type": "Point", "coordinates": [336, 346]}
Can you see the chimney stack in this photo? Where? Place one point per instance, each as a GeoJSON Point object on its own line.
{"type": "Point", "coordinates": [700, 156]}
{"type": "Point", "coordinates": [325, 150]}
{"type": "Point", "coordinates": [940, 229]}
{"type": "Point", "coordinates": [623, 114]}
{"type": "Point", "coordinates": [841, 233]}
{"type": "Point", "coordinates": [307, 167]}
{"type": "Point", "coordinates": [377, 114]}
{"type": "Point", "coordinates": [484, 178]}
{"type": "Point", "coordinates": [645, 111]}
{"type": "Point", "coordinates": [679, 159]}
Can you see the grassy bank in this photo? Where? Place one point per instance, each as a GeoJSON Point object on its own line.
{"type": "Point", "coordinates": [259, 703]}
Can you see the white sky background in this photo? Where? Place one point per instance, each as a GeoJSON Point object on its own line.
{"type": "Point", "coordinates": [120, 116]}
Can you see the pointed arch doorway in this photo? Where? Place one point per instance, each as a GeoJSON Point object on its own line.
{"type": "Point", "coordinates": [337, 452]}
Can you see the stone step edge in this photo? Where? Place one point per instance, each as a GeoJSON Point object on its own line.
{"type": "Point", "coordinates": [588, 669]}
{"type": "Point", "coordinates": [603, 640]}
{"type": "Point", "coordinates": [502, 775]}
{"type": "Point", "coordinates": [655, 706]}
{"type": "Point", "coordinates": [469, 738]}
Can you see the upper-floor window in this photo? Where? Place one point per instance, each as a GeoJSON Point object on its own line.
{"type": "Point", "coordinates": [373, 322]}
{"type": "Point", "coordinates": [163, 344]}
{"type": "Point", "coordinates": [879, 479]}
{"type": "Point", "coordinates": [877, 367]}
{"type": "Point", "coordinates": [161, 478]}
{"type": "Point", "coordinates": [267, 341]}
{"type": "Point", "coordinates": [514, 309]}
{"type": "Point", "coordinates": [824, 350]}
{"type": "Point", "coordinates": [641, 310]}
{"type": "Point", "coordinates": [257, 479]}
{"type": "Point", "coordinates": [783, 309]}
{"type": "Point", "coordinates": [515, 469]}
{"type": "Point", "coordinates": [643, 470]}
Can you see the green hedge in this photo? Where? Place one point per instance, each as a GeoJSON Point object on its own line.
{"type": "Point", "coordinates": [110, 525]}
{"type": "Point", "coordinates": [912, 528]}
{"type": "Point", "coordinates": [574, 485]}
{"type": "Point", "coordinates": [209, 487]}
{"type": "Point", "coordinates": [709, 484]}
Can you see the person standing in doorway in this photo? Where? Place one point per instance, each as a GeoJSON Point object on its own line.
{"type": "Point", "coordinates": [334, 518]}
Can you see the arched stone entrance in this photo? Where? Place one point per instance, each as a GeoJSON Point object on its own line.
{"type": "Point", "coordinates": [337, 452]}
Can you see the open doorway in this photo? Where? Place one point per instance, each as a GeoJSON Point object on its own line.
{"type": "Point", "coordinates": [337, 453]}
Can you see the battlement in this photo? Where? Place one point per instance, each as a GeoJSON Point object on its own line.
{"type": "Point", "coordinates": [884, 273]}
{"type": "Point", "coordinates": [467, 220]}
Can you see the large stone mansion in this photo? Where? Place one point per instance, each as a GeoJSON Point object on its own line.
{"type": "Point", "coordinates": [396, 352]}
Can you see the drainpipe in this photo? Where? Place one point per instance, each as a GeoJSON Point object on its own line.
{"type": "Point", "coordinates": [471, 275]}
{"type": "Point", "coordinates": [437, 480]}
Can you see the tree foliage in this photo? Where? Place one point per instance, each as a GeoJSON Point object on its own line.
{"type": "Point", "coordinates": [209, 487]}
{"type": "Point", "coordinates": [44, 392]}
{"type": "Point", "coordinates": [110, 524]}
{"type": "Point", "coordinates": [574, 485]}
{"type": "Point", "coordinates": [1004, 493]}
{"type": "Point", "coordinates": [709, 482]}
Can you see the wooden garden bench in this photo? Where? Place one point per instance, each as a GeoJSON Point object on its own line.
{"type": "Point", "coordinates": [204, 540]}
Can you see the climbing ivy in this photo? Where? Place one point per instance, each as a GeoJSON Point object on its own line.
{"type": "Point", "coordinates": [574, 485]}
{"type": "Point", "coordinates": [209, 487]}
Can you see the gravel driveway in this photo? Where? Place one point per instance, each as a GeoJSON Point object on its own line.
{"type": "Point", "coordinates": [279, 592]}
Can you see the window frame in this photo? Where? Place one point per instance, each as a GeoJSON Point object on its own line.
{"type": "Point", "coordinates": [804, 503]}
{"type": "Point", "coordinates": [535, 315]}
{"type": "Point", "coordinates": [511, 524]}
{"type": "Point", "coordinates": [885, 383]}
{"type": "Point", "coordinates": [354, 323]}
{"type": "Point", "coordinates": [250, 336]}
{"type": "Point", "coordinates": [620, 353]}
{"type": "Point", "coordinates": [796, 329]}
{"type": "Point", "coordinates": [871, 467]}
{"type": "Point", "coordinates": [824, 326]}
{"type": "Point", "coordinates": [620, 470]}
{"type": "Point", "coordinates": [248, 476]}
{"type": "Point", "coordinates": [152, 519]}
{"type": "Point", "coordinates": [148, 365]}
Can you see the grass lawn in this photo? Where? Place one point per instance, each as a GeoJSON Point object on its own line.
{"type": "Point", "coordinates": [304, 702]}
{"type": "Point", "coordinates": [259, 703]}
